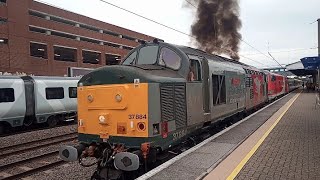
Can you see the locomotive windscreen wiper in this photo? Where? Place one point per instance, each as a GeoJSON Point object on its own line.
{"type": "Point", "coordinates": [131, 63]}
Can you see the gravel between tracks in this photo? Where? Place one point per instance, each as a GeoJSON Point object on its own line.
{"type": "Point", "coordinates": [36, 135]}
{"type": "Point", "coordinates": [70, 171]}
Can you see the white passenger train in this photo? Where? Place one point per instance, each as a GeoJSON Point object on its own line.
{"type": "Point", "coordinates": [28, 100]}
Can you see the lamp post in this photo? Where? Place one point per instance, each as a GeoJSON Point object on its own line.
{"type": "Point", "coordinates": [318, 37]}
{"type": "Point", "coordinates": [318, 53]}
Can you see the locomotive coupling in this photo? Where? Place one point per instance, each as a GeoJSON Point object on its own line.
{"type": "Point", "coordinates": [70, 153]}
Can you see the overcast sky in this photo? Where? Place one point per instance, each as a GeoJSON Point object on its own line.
{"type": "Point", "coordinates": [285, 24]}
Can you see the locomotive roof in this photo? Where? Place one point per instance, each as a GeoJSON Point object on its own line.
{"type": "Point", "coordinates": [213, 57]}
{"type": "Point", "coordinates": [193, 51]}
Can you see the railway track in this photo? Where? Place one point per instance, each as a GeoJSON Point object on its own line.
{"type": "Point", "coordinates": [20, 169]}
{"type": "Point", "coordinates": [33, 145]}
{"type": "Point", "coordinates": [37, 127]}
{"type": "Point", "coordinates": [30, 165]}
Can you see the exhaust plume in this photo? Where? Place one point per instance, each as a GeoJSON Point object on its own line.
{"type": "Point", "coordinates": [217, 26]}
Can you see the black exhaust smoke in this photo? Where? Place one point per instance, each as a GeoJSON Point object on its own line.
{"type": "Point", "coordinates": [217, 26]}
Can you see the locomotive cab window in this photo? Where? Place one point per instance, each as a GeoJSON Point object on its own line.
{"type": "Point", "coordinates": [169, 58]}
{"type": "Point", "coordinates": [194, 71]}
{"type": "Point", "coordinates": [148, 55]}
{"type": "Point", "coordinates": [54, 93]}
{"type": "Point", "coordinates": [130, 59]}
{"type": "Point", "coordinates": [6, 95]}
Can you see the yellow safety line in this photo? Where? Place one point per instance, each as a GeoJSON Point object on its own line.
{"type": "Point", "coordinates": [254, 149]}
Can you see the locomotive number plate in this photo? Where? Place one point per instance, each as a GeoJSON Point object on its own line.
{"type": "Point", "coordinates": [180, 134]}
{"type": "Point", "coordinates": [137, 116]}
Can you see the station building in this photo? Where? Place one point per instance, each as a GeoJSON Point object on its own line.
{"type": "Point", "coordinates": [39, 39]}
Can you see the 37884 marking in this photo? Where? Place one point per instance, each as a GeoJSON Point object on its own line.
{"type": "Point", "coordinates": [137, 116]}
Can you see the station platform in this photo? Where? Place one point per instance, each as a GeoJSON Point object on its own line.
{"type": "Point", "coordinates": [280, 141]}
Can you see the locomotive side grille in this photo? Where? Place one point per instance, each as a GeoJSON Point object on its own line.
{"type": "Point", "coordinates": [167, 102]}
{"type": "Point", "coordinates": [180, 102]}
{"type": "Point", "coordinates": [173, 103]}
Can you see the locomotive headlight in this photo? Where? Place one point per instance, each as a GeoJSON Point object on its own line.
{"type": "Point", "coordinates": [102, 119]}
{"type": "Point", "coordinates": [118, 98]}
{"type": "Point", "coordinates": [90, 98]}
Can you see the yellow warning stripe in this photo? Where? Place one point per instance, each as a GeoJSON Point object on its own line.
{"type": "Point", "coordinates": [254, 149]}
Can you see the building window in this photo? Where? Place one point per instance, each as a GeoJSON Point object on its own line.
{"type": "Point", "coordinates": [72, 92]}
{"type": "Point", "coordinates": [37, 14]}
{"type": "Point", "coordinates": [91, 57]}
{"type": "Point", "coordinates": [3, 20]}
{"type": "Point", "coordinates": [3, 41]}
{"type": "Point", "coordinates": [3, 2]}
{"type": "Point", "coordinates": [89, 40]}
{"type": "Point", "coordinates": [54, 93]}
{"type": "Point", "coordinates": [219, 89]}
{"type": "Point", "coordinates": [112, 59]}
{"type": "Point", "coordinates": [127, 48]}
{"type": "Point", "coordinates": [89, 27]}
{"type": "Point", "coordinates": [64, 54]}
{"type": "Point", "coordinates": [112, 45]}
{"type": "Point", "coordinates": [60, 20]}
{"type": "Point", "coordinates": [110, 33]}
{"type": "Point", "coordinates": [128, 37]}
{"type": "Point", "coordinates": [6, 95]}
{"type": "Point", "coordinates": [37, 30]}
{"type": "Point", "coordinates": [38, 50]}
{"type": "Point", "coordinates": [64, 35]}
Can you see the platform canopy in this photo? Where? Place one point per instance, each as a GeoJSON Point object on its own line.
{"type": "Point", "coordinates": [298, 69]}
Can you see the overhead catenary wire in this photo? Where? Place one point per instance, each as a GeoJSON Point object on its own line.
{"type": "Point", "coordinates": [261, 52]}
{"type": "Point", "coordinates": [190, 3]}
{"type": "Point", "coordinates": [292, 50]}
{"type": "Point", "coordinates": [146, 18]}
{"type": "Point", "coordinates": [111, 4]}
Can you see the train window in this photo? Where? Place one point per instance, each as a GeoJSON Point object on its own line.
{"type": "Point", "coordinates": [38, 50]}
{"type": "Point", "coordinates": [218, 89]}
{"type": "Point", "coordinates": [72, 92]}
{"type": "Point", "coordinates": [195, 71]}
{"type": "Point", "coordinates": [148, 55]}
{"type": "Point", "coordinates": [130, 59]}
{"type": "Point", "coordinates": [54, 93]}
{"type": "Point", "coordinates": [169, 58]}
{"type": "Point", "coordinates": [6, 95]}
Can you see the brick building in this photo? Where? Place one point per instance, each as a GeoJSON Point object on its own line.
{"type": "Point", "coordinates": [39, 39]}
